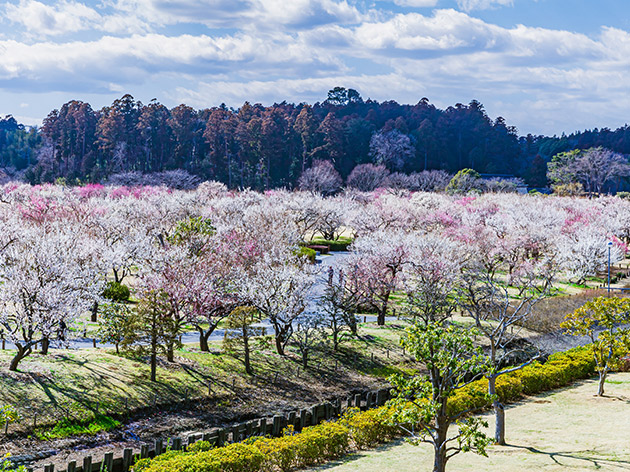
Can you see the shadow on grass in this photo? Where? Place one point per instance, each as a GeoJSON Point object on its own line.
{"type": "Point", "coordinates": [585, 456]}
{"type": "Point", "coordinates": [355, 456]}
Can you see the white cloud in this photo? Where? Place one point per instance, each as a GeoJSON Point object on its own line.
{"type": "Point", "coordinates": [65, 17]}
{"type": "Point", "coordinates": [298, 50]}
{"type": "Point", "coordinates": [416, 3]}
{"type": "Point", "coordinates": [241, 14]}
{"type": "Point", "coordinates": [135, 58]}
{"type": "Point", "coordinates": [50, 20]}
{"type": "Point", "coordinates": [470, 5]}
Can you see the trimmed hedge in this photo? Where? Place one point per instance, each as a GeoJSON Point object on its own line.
{"type": "Point", "coordinates": [360, 430]}
{"type": "Point", "coordinates": [116, 292]}
{"type": "Point", "coordinates": [340, 244]}
{"type": "Point", "coordinates": [307, 252]}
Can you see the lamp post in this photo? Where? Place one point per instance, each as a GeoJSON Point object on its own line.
{"type": "Point", "coordinates": [609, 246]}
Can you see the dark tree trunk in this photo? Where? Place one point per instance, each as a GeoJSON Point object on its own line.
{"type": "Point", "coordinates": [203, 341]}
{"type": "Point", "coordinates": [93, 318]}
{"type": "Point", "coordinates": [22, 352]}
{"type": "Point", "coordinates": [382, 312]}
{"type": "Point", "coordinates": [170, 352]}
{"type": "Point", "coordinates": [279, 345]}
{"type": "Point", "coordinates": [45, 346]}
{"type": "Point", "coordinates": [439, 447]}
{"type": "Point", "coordinates": [248, 365]}
{"type": "Point", "coordinates": [154, 349]}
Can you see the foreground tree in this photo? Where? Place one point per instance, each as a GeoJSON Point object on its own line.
{"type": "Point", "coordinates": [309, 335]}
{"type": "Point", "coordinates": [115, 325]}
{"type": "Point", "coordinates": [604, 320]}
{"type": "Point", "coordinates": [452, 360]}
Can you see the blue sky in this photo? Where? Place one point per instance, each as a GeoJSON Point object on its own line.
{"type": "Point", "coordinates": [547, 66]}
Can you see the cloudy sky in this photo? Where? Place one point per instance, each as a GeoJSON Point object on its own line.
{"type": "Point", "coordinates": [547, 66]}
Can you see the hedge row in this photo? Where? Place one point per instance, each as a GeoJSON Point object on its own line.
{"type": "Point", "coordinates": [340, 244]}
{"type": "Point", "coordinates": [360, 430]}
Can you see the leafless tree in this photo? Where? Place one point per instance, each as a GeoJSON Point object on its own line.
{"type": "Point", "coordinates": [322, 178]}
{"type": "Point", "coordinates": [367, 177]}
{"type": "Point", "coordinates": [598, 166]}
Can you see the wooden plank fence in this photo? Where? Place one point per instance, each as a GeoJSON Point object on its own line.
{"type": "Point", "coordinates": [258, 427]}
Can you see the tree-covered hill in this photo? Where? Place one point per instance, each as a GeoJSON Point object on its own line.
{"type": "Point", "coordinates": [270, 146]}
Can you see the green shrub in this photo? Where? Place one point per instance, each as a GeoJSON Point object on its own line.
{"type": "Point", "coordinates": [200, 446]}
{"type": "Point", "coordinates": [307, 252]}
{"type": "Point", "coordinates": [370, 427]}
{"type": "Point", "coordinates": [116, 292]}
{"type": "Point", "coordinates": [341, 244]}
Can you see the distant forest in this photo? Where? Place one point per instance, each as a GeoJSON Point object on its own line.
{"type": "Point", "coordinates": [264, 147]}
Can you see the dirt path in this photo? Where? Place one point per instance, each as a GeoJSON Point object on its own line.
{"type": "Point", "coordinates": [560, 431]}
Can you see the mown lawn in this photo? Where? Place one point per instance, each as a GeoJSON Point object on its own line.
{"type": "Point", "coordinates": [565, 430]}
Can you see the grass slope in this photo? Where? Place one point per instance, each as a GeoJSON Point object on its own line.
{"type": "Point", "coordinates": [74, 383]}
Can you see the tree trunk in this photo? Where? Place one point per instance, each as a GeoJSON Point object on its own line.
{"type": "Point", "coordinates": [170, 352]}
{"type": "Point", "coordinates": [439, 446]}
{"type": "Point", "coordinates": [248, 365]}
{"type": "Point", "coordinates": [93, 318]}
{"type": "Point", "coordinates": [21, 354]}
{"type": "Point", "coordinates": [499, 413]}
{"type": "Point", "coordinates": [45, 346]}
{"type": "Point", "coordinates": [279, 345]}
{"type": "Point", "coordinates": [305, 359]}
{"type": "Point", "coordinates": [203, 341]}
{"type": "Point", "coordinates": [153, 352]}
{"type": "Point", "coordinates": [382, 311]}
{"type": "Point", "coordinates": [602, 382]}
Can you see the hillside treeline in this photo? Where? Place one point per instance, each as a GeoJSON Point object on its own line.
{"type": "Point", "coordinates": [264, 147]}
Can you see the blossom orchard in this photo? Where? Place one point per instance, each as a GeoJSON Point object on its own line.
{"type": "Point", "coordinates": [209, 250]}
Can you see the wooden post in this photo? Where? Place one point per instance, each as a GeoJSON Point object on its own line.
{"type": "Point", "coordinates": [72, 466]}
{"type": "Point", "coordinates": [108, 461]}
{"type": "Point", "coordinates": [144, 451]}
{"type": "Point", "coordinates": [159, 447]}
{"type": "Point", "coordinates": [276, 426]}
{"type": "Point", "coordinates": [127, 459]}
{"type": "Point", "coordinates": [87, 464]}
{"type": "Point", "coordinates": [314, 415]}
{"type": "Point", "coordinates": [49, 468]}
